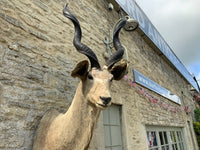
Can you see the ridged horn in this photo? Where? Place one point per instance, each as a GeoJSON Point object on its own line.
{"type": "Point", "coordinates": [118, 55]}
{"type": "Point", "coordinates": [82, 48]}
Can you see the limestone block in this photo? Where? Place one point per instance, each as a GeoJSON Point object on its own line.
{"type": "Point", "coordinates": [13, 21]}
{"type": "Point", "coordinates": [2, 51]}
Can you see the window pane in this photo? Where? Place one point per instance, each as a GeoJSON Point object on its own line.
{"type": "Point", "coordinates": [165, 137]}
{"type": "Point", "coordinates": [115, 115]}
{"type": "Point", "coordinates": [151, 136]}
{"type": "Point", "coordinates": [107, 138]}
{"type": "Point", "coordinates": [148, 138]}
{"type": "Point", "coordinates": [170, 136]}
{"type": "Point", "coordinates": [105, 117]}
{"type": "Point", "coordinates": [165, 148]}
{"type": "Point", "coordinates": [176, 148]}
{"type": "Point", "coordinates": [112, 128]}
{"type": "Point", "coordinates": [116, 135]}
{"type": "Point", "coordinates": [161, 138]}
{"type": "Point", "coordinates": [117, 148]}
{"type": "Point", "coordinates": [178, 136]}
{"type": "Point", "coordinates": [173, 147]}
{"type": "Point", "coordinates": [180, 145]}
{"type": "Point", "coordinates": [173, 137]}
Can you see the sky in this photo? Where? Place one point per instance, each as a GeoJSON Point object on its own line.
{"type": "Point", "coordinates": [178, 21]}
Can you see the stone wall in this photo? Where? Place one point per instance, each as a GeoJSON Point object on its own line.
{"type": "Point", "coordinates": [37, 56]}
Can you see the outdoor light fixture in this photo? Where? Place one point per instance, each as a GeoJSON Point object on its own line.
{"type": "Point", "coordinates": [110, 6]}
{"type": "Point", "coordinates": [131, 24]}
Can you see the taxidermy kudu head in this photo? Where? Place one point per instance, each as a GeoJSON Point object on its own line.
{"type": "Point", "coordinates": [96, 81]}
{"type": "Point", "coordinates": [73, 130]}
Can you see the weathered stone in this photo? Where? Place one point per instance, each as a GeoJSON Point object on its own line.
{"type": "Point", "coordinates": [39, 35]}
{"type": "Point", "coordinates": [36, 60]}
{"type": "Point", "coordinates": [18, 104]}
{"type": "Point", "coordinates": [13, 46]}
{"type": "Point", "coordinates": [41, 5]}
{"type": "Point", "coordinates": [13, 21]}
{"type": "Point", "coordinates": [2, 51]}
{"type": "Point", "coordinates": [34, 77]}
{"type": "Point", "coordinates": [11, 137]}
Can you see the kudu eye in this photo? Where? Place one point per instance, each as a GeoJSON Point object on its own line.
{"type": "Point", "coordinates": [90, 77]}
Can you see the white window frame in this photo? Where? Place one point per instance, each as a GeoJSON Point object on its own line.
{"type": "Point", "coordinates": [175, 138]}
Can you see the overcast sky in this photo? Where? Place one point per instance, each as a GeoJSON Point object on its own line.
{"type": "Point", "coordinates": [178, 21]}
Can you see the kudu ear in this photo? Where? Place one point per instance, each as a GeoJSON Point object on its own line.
{"type": "Point", "coordinates": [81, 70]}
{"type": "Point", "coordinates": [119, 71]}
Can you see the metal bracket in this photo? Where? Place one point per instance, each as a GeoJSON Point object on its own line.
{"type": "Point", "coordinates": [108, 44]}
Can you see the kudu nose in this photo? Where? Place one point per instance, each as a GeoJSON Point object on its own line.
{"type": "Point", "coordinates": [105, 100]}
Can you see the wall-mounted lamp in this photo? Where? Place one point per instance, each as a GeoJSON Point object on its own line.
{"type": "Point", "coordinates": [131, 24]}
{"type": "Point", "coordinates": [110, 6]}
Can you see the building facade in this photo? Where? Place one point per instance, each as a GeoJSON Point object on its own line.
{"type": "Point", "coordinates": [37, 56]}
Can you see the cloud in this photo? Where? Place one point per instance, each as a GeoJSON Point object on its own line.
{"type": "Point", "coordinates": [178, 22]}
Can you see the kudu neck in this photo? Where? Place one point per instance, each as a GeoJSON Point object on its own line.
{"type": "Point", "coordinates": [83, 118]}
{"type": "Point", "coordinates": [81, 105]}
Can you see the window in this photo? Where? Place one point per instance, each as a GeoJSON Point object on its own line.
{"type": "Point", "coordinates": [165, 138]}
{"type": "Point", "coordinates": [112, 128]}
